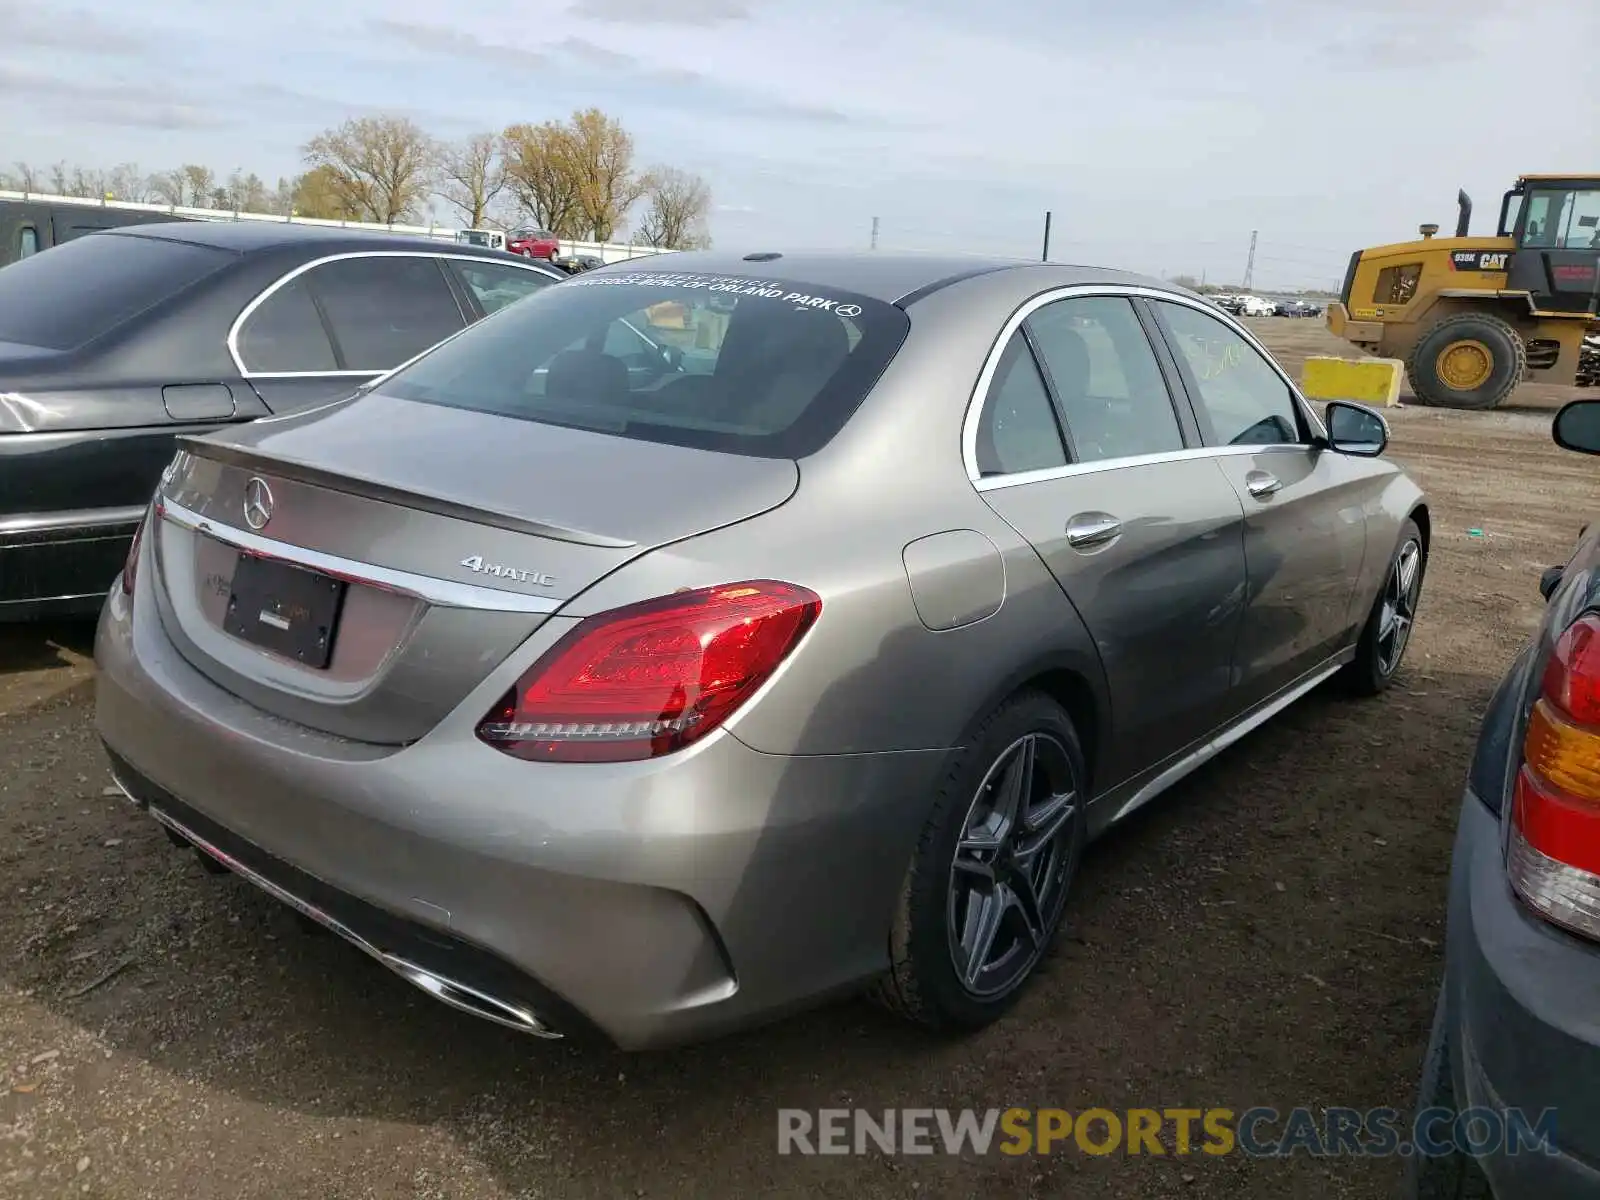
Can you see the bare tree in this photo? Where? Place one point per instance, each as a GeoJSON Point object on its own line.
{"type": "Point", "coordinates": [169, 187]}
{"type": "Point", "coordinates": [200, 182]}
{"type": "Point", "coordinates": [318, 195]}
{"type": "Point", "coordinates": [89, 182]}
{"type": "Point", "coordinates": [471, 177]}
{"type": "Point", "coordinates": [602, 164]}
{"type": "Point", "coordinates": [382, 166]}
{"type": "Point", "coordinates": [26, 177]}
{"type": "Point", "coordinates": [537, 162]}
{"type": "Point", "coordinates": [126, 182]}
{"type": "Point", "coordinates": [680, 203]}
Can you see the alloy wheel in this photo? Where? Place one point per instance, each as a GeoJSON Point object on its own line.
{"type": "Point", "coordinates": [1399, 609]}
{"type": "Point", "coordinates": [1013, 865]}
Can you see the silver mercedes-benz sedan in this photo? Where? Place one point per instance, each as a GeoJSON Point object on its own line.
{"type": "Point", "coordinates": [703, 637]}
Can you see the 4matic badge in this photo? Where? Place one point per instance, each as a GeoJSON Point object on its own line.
{"type": "Point", "coordinates": [476, 564]}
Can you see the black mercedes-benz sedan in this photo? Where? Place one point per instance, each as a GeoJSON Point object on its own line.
{"type": "Point", "coordinates": [114, 344]}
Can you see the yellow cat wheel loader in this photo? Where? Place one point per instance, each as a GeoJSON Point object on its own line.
{"type": "Point", "coordinates": [1472, 317]}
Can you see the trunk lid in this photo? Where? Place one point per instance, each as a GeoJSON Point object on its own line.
{"type": "Point", "coordinates": [455, 535]}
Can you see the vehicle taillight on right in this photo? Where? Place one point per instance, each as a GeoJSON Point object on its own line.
{"type": "Point", "coordinates": [647, 680]}
{"type": "Point", "coordinates": [1554, 855]}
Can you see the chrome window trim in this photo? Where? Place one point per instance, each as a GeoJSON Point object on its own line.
{"type": "Point", "coordinates": [980, 393]}
{"type": "Point", "coordinates": [289, 276]}
{"type": "Point", "coordinates": [445, 593]}
{"type": "Point", "coordinates": [990, 483]}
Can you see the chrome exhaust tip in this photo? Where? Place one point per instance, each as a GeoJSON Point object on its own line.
{"type": "Point", "coordinates": [469, 999]}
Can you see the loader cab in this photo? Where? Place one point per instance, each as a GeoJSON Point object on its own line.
{"type": "Point", "coordinates": [1555, 224]}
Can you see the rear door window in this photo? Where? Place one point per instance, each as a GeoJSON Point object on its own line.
{"type": "Point", "coordinates": [763, 367]}
{"type": "Point", "coordinates": [494, 285]}
{"type": "Point", "coordinates": [384, 309]}
{"type": "Point", "coordinates": [285, 334]}
{"type": "Point", "coordinates": [86, 288]}
{"type": "Point", "coordinates": [1106, 377]}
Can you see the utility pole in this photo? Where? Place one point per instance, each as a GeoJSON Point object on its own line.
{"type": "Point", "coordinates": [1250, 264]}
{"type": "Point", "coordinates": [1045, 257]}
{"type": "Point", "coordinates": [874, 233]}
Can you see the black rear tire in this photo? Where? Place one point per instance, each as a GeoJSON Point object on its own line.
{"type": "Point", "coordinates": [924, 984]}
{"type": "Point", "coordinates": [1454, 1176]}
{"type": "Point", "coordinates": [1374, 667]}
{"type": "Point", "coordinates": [1475, 334]}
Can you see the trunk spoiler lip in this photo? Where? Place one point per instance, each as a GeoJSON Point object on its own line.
{"type": "Point", "coordinates": [371, 489]}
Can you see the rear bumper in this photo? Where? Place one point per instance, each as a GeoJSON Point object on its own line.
{"type": "Point", "coordinates": [1523, 999]}
{"type": "Point", "coordinates": [654, 903]}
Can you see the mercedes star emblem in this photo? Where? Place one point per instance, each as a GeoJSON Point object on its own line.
{"type": "Point", "coordinates": [257, 503]}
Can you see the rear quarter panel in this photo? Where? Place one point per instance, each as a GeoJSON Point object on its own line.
{"type": "Point", "coordinates": [1392, 498]}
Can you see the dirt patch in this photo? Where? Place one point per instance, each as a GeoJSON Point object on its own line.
{"type": "Point", "coordinates": [1267, 934]}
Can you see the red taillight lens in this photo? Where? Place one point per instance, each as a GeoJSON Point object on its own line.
{"type": "Point", "coordinates": [130, 568]}
{"type": "Point", "coordinates": [649, 679]}
{"type": "Point", "coordinates": [1554, 859]}
{"type": "Point", "coordinates": [1572, 676]}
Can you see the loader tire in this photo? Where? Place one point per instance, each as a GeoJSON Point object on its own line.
{"type": "Point", "coordinates": [1470, 360]}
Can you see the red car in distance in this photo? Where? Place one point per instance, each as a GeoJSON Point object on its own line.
{"type": "Point", "coordinates": [533, 243]}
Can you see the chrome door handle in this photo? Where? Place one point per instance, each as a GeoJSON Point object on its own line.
{"type": "Point", "coordinates": [1261, 485]}
{"type": "Point", "coordinates": [1088, 530]}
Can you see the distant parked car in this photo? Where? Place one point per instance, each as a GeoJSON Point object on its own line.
{"type": "Point", "coordinates": [113, 344]}
{"type": "Point", "coordinates": [573, 263]}
{"type": "Point", "coordinates": [489, 239]}
{"type": "Point", "coordinates": [1517, 1023]}
{"type": "Point", "coordinates": [533, 243]}
{"type": "Point", "coordinates": [570, 684]}
{"type": "Point", "coordinates": [1255, 306]}
{"type": "Point", "coordinates": [29, 226]}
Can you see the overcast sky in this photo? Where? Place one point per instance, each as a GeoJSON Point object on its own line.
{"type": "Point", "coordinates": [1160, 132]}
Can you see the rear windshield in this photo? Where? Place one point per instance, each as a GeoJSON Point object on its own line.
{"type": "Point", "coordinates": [75, 292]}
{"type": "Point", "coordinates": [759, 367]}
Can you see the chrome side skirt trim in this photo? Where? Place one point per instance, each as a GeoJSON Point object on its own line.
{"type": "Point", "coordinates": [445, 593]}
{"type": "Point", "coordinates": [449, 991]}
{"type": "Point", "coordinates": [1215, 745]}
{"type": "Point", "coordinates": [74, 519]}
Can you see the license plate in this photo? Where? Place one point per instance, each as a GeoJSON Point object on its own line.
{"type": "Point", "coordinates": [285, 609]}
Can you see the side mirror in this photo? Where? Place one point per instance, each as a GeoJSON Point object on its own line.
{"type": "Point", "coordinates": [1356, 429]}
{"type": "Point", "coordinates": [1577, 427]}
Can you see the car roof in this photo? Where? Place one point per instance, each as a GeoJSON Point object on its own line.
{"type": "Point", "coordinates": [897, 277]}
{"type": "Point", "coordinates": [248, 237]}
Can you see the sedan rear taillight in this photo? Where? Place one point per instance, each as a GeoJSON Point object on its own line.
{"type": "Point", "coordinates": [652, 678]}
{"type": "Point", "coordinates": [1554, 855]}
{"type": "Point", "coordinates": [130, 568]}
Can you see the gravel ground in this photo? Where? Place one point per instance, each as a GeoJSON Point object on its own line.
{"type": "Point", "coordinates": [1268, 934]}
